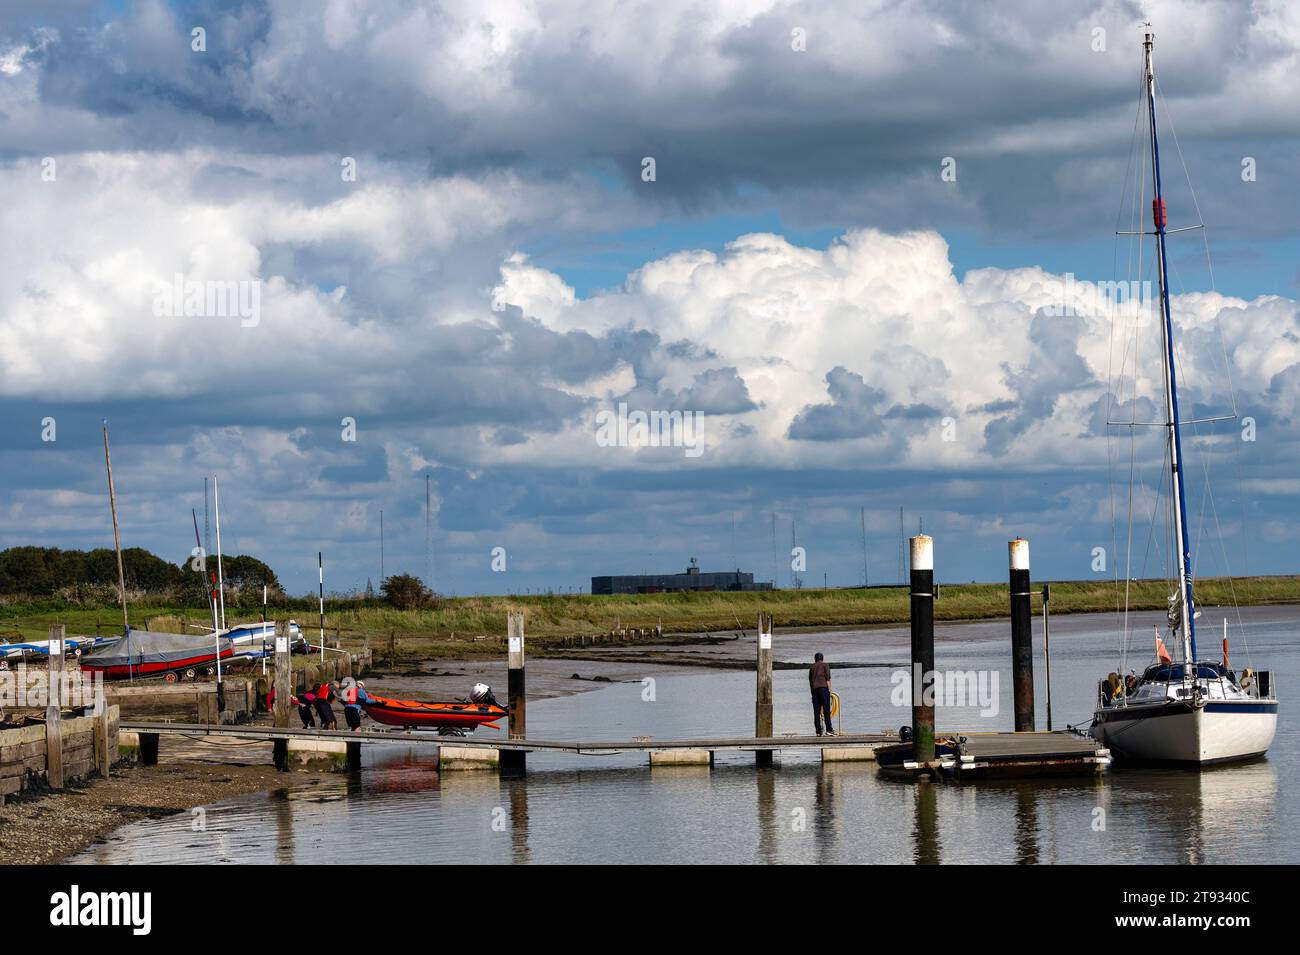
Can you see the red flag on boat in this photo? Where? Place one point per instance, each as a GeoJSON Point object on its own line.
{"type": "Point", "coordinates": [1162, 652]}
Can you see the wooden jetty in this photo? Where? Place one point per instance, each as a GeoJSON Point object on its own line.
{"type": "Point", "coordinates": [980, 754]}
{"type": "Point", "coordinates": [462, 748]}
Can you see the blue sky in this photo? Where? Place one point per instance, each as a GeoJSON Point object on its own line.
{"type": "Point", "coordinates": [851, 330]}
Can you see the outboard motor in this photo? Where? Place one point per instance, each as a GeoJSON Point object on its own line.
{"type": "Point", "coordinates": [481, 694]}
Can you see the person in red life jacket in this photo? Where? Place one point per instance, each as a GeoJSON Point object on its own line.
{"type": "Point", "coordinates": [324, 694]}
{"type": "Point", "coordinates": [270, 699]}
{"type": "Point", "coordinates": [305, 704]}
{"type": "Point", "coordinates": [354, 694]}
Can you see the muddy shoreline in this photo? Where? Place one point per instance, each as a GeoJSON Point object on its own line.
{"type": "Point", "coordinates": [47, 827]}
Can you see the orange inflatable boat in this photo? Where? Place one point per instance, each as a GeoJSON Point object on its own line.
{"type": "Point", "coordinates": [433, 714]}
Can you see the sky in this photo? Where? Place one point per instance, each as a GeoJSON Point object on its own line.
{"type": "Point", "coordinates": [323, 252]}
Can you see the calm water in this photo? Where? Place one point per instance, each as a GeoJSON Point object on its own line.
{"type": "Point", "coordinates": [614, 809]}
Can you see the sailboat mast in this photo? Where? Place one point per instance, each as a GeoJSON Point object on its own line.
{"type": "Point", "coordinates": [1187, 624]}
{"type": "Point", "coordinates": [221, 577]}
{"type": "Point", "coordinates": [117, 541]}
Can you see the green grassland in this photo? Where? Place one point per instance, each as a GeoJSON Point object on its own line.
{"type": "Point", "coordinates": [469, 626]}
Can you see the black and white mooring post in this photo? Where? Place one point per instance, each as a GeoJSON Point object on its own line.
{"type": "Point", "coordinates": [922, 648]}
{"type": "Point", "coordinates": [763, 692]}
{"type": "Point", "coordinates": [1047, 650]}
{"type": "Point", "coordinates": [516, 695]}
{"type": "Point", "coordinates": [1022, 639]}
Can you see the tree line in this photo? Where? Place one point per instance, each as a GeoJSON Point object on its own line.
{"type": "Point", "coordinates": [51, 571]}
{"type": "Point", "coordinates": [89, 577]}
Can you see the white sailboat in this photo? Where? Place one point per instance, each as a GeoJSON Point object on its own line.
{"type": "Point", "coordinates": [1192, 710]}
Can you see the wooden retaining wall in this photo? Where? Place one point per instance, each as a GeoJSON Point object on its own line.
{"type": "Point", "coordinates": [88, 746]}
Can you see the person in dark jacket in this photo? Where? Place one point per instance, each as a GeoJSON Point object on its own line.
{"type": "Point", "coordinates": [819, 681]}
{"type": "Point", "coordinates": [305, 704]}
{"type": "Point", "coordinates": [324, 695]}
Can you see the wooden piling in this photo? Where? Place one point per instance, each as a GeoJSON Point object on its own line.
{"type": "Point", "coordinates": [148, 749]}
{"type": "Point", "coordinates": [53, 710]}
{"type": "Point", "coordinates": [516, 693]}
{"type": "Point", "coordinates": [103, 758]}
{"type": "Point", "coordinates": [763, 693]}
{"type": "Point", "coordinates": [1022, 641]}
{"type": "Point", "coordinates": [283, 690]}
{"type": "Point", "coordinates": [922, 599]}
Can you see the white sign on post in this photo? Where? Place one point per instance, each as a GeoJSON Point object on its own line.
{"type": "Point", "coordinates": [516, 644]}
{"type": "Point", "coordinates": [281, 644]}
{"type": "Point", "coordinates": [764, 641]}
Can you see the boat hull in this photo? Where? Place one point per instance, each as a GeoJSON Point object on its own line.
{"type": "Point", "coordinates": [1183, 733]}
{"type": "Point", "coordinates": [414, 714]}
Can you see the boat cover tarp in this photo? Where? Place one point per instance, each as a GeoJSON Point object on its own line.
{"type": "Point", "coordinates": [145, 646]}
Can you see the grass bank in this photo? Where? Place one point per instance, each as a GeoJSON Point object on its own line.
{"type": "Point", "coordinates": [467, 626]}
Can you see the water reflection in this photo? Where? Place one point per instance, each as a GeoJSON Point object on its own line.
{"type": "Point", "coordinates": [765, 795]}
{"type": "Point", "coordinates": [518, 789]}
{"type": "Point", "coordinates": [1026, 826]}
{"type": "Point", "coordinates": [925, 826]}
{"type": "Point", "coordinates": [282, 812]}
{"type": "Point", "coordinates": [824, 828]}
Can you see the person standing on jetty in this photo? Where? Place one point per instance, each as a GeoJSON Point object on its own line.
{"type": "Point", "coordinates": [819, 680]}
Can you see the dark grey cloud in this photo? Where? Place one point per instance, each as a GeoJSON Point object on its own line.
{"type": "Point", "coordinates": [853, 411]}
{"type": "Point", "coordinates": [1054, 369]}
{"type": "Point", "coordinates": [716, 391]}
{"type": "Point", "coordinates": [862, 116]}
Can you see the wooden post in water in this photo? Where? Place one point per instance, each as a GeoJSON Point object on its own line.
{"type": "Point", "coordinates": [1022, 638]}
{"type": "Point", "coordinates": [922, 597]}
{"type": "Point", "coordinates": [763, 696]}
{"type": "Point", "coordinates": [516, 694]}
{"type": "Point", "coordinates": [1047, 651]}
{"type": "Point", "coordinates": [53, 710]}
{"type": "Point", "coordinates": [283, 690]}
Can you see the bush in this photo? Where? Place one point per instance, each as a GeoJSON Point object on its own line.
{"type": "Point", "coordinates": [406, 592]}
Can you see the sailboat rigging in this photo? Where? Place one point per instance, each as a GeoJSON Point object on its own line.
{"type": "Point", "coordinates": [1194, 711]}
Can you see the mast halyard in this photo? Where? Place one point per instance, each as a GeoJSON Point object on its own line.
{"type": "Point", "coordinates": [1186, 622]}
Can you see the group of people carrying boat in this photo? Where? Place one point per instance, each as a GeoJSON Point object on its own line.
{"type": "Point", "coordinates": [318, 703]}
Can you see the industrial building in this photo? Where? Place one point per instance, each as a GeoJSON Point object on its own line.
{"type": "Point", "coordinates": [693, 579]}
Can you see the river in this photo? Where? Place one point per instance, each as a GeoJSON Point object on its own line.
{"type": "Point", "coordinates": [582, 809]}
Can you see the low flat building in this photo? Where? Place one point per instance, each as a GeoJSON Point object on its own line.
{"type": "Point", "coordinates": [692, 579]}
